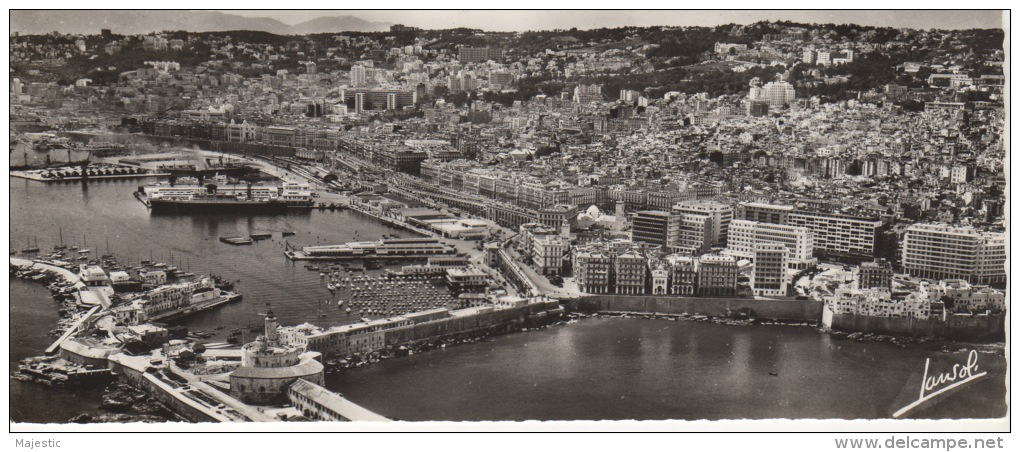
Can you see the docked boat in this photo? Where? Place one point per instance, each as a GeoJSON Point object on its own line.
{"type": "Point", "coordinates": [224, 197]}
{"type": "Point", "coordinates": [236, 240]}
{"type": "Point", "coordinates": [200, 203]}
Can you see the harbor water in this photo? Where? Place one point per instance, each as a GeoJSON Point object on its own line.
{"type": "Point", "coordinates": [620, 369]}
{"type": "Point", "coordinates": [594, 369]}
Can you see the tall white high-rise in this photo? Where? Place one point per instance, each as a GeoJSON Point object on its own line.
{"type": "Point", "coordinates": [778, 94]}
{"type": "Point", "coordinates": [358, 75]}
{"type": "Point", "coordinates": [944, 252]}
{"type": "Point", "coordinates": [744, 235]}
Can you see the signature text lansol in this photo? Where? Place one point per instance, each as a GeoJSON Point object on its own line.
{"type": "Point", "coordinates": [932, 386]}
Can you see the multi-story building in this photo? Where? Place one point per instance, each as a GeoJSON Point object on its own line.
{"type": "Point", "coordinates": [939, 251]}
{"type": "Point", "coordinates": [660, 280]}
{"type": "Point", "coordinates": [630, 271]}
{"type": "Point", "coordinates": [584, 94]}
{"type": "Point", "coordinates": [501, 79]}
{"type": "Point", "coordinates": [359, 75]}
{"type": "Point", "coordinates": [875, 274]}
{"type": "Point", "coordinates": [380, 99]}
{"type": "Point", "coordinates": [777, 94]}
{"type": "Point", "coordinates": [553, 216]}
{"type": "Point", "coordinates": [693, 234]}
{"type": "Point", "coordinates": [591, 271]}
{"type": "Point", "coordinates": [834, 234]}
{"type": "Point", "coordinates": [809, 56]}
{"type": "Point", "coordinates": [769, 277]}
{"type": "Point", "coordinates": [967, 297]}
{"type": "Point", "coordinates": [878, 302]}
{"type": "Point", "coordinates": [763, 213]}
{"type": "Point", "coordinates": [838, 234]}
{"type": "Point", "coordinates": [479, 54]}
{"type": "Point", "coordinates": [717, 275]}
{"type": "Point", "coordinates": [719, 215]}
{"type": "Point", "coordinates": [724, 47]}
{"type": "Point", "coordinates": [823, 57]}
{"type": "Point", "coordinates": [547, 254]}
{"type": "Point", "coordinates": [683, 275]}
{"type": "Point", "coordinates": [744, 235]}
{"type": "Point", "coordinates": [656, 227]}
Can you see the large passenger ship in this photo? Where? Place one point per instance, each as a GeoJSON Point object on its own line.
{"type": "Point", "coordinates": [224, 197]}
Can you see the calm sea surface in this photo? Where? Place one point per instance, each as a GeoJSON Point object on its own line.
{"type": "Point", "coordinates": [594, 369]}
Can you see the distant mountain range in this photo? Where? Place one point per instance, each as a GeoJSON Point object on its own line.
{"type": "Point", "coordinates": [89, 22]}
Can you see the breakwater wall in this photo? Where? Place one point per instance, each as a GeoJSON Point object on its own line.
{"type": "Point", "coordinates": [779, 309]}
{"type": "Point", "coordinates": [955, 327]}
{"type": "Point", "coordinates": [163, 392]}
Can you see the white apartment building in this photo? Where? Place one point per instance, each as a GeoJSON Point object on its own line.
{"type": "Point", "coordinates": [798, 240]}
{"type": "Point", "coordinates": [938, 251]}
{"type": "Point", "coordinates": [547, 254]}
{"type": "Point", "coordinates": [769, 277]}
{"type": "Point", "coordinates": [693, 234]}
{"type": "Point", "coordinates": [719, 216]}
{"type": "Point", "coordinates": [837, 233]}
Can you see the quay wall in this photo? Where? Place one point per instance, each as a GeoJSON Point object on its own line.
{"type": "Point", "coordinates": [956, 327]}
{"type": "Point", "coordinates": [490, 321]}
{"type": "Point", "coordinates": [779, 309]}
{"type": "Point", "coordinates": [438, 329]}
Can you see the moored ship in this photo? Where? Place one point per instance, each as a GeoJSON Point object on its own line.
{"type": "Point", "coordinates": [199, 203]}
{"type": "Point", "coordinates": [228, 198]}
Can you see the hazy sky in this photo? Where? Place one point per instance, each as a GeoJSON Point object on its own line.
{"type": "Point", "coordinates": [545, 20]}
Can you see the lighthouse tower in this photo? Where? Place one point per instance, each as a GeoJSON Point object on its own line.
{"type": "Point", "coordinates": [271, 333]}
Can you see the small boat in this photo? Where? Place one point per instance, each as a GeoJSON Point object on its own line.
{"type": "Point", "coordinates": [236, 240]}
{"type": "Point", "coordinates": [287, 233]}
{"type": "Point", "coordinates": [774, 374]}
{"type": "Point", "coordinates": [84, 251]}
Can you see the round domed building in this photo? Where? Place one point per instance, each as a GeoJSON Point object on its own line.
{"type": "Point", "coordinates": [269, 367]}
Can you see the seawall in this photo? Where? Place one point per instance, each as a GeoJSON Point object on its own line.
{"type": "Point", "coordinates": [162, 392]}
{"type": "Point", "coordinates": [438, 329]}
{"type": "Point", "coordinates": [955, 327]}
{"type": "Point", "coordinates": [779, 309]}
